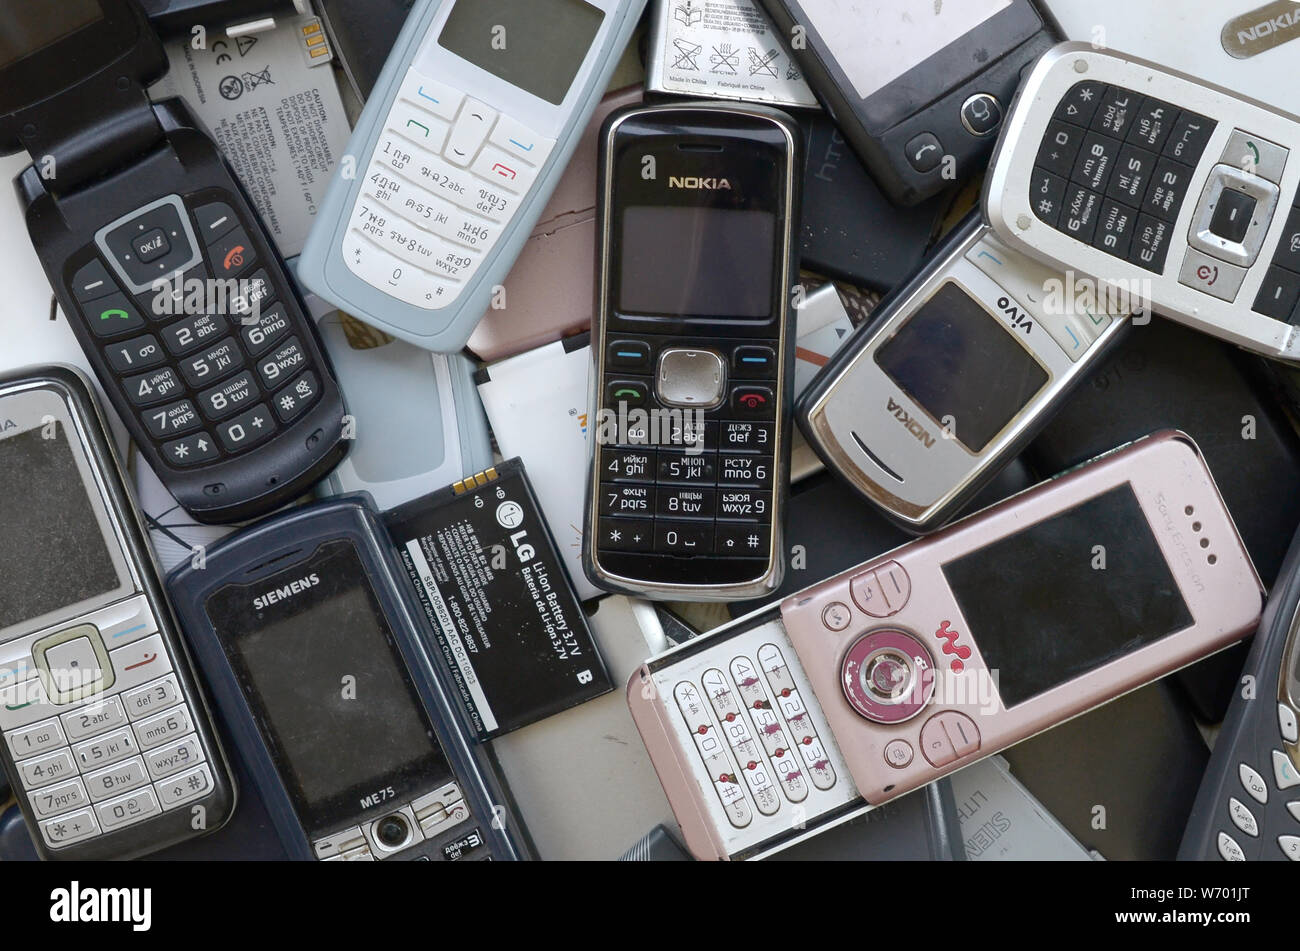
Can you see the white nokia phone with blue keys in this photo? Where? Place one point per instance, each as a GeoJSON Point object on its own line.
{"type": "Point", "coordinates": [471, 124]}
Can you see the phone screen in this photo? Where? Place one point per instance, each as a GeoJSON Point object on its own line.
{"type": "Point", "coordinates": [537, 45]}
{"type": "Point", "coordinates": [694, 261]}
{"type": "Point", "coordinates": [877, 41]}
{"type": "Point", "coordinates": [962, 366]}
{"type": "Point", "coordinates": [1068, 594]}
{"type": "Point", "coordinates": [28, 27]}
{"type": "Point", "coordinates": [53, 552]}
{"type": "Point", "coordinates": [319, 665]}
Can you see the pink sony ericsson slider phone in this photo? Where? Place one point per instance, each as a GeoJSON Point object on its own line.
{"type": "Point", "coordinates": [957, 645]}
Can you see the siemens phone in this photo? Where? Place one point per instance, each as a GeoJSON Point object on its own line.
{"type": "Point", "coordinates": [107, 740]}
{"type": "Point", "coordinates": [1248, 808]}
{"type": "Point", "coordinates": [1152, 181]}
{"type": "Point", "coordinates": [462, 141]}
{"type": "Point", "coordinates": [171, 286]}
{"type": "Point", "coordinates": [952, 377]}
{"type": "Point", "coordinates": [322, 674]}
{"type": "Point", "coordinates": [919, 89]}
{"type": "Point", "coordinates": [693, 349]}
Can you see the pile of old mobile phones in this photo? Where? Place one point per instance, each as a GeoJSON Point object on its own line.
{"type": "Point", "coordinates": [951, 378]}
{"type": "Point", "coordinates": [305, 633]}
{"type": "Point", "coordinates": [162, 267]}
{"type": "Point", "coordinates": [919, 90]}
{"type": "Point", "coordinates": [107, 740]}
{"type": "Point", "coordinates": [691, 383]}
{"type": "Point", "coordinates": [1074, 592]}
{"type": "Point", "coordinates": [463, 138]}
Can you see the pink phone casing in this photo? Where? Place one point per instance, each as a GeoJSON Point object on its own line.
{"type": "Point", "coordinates": [905, 592]}
{"type": "Point", "coordinates": [551, 289]}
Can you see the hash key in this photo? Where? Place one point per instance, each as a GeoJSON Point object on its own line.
{"type": "Point", "coordinates": [741, 541]}
{"type": "Point", "coordinates": [294, 399]}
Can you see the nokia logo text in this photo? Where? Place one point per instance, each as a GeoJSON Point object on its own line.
{"type": "Point", "coordinates": [7, 424]}
{"type": "Point", "coordinates": [286, 591]}
{"type": "Point", "coordinates": [911, 425]}
{"type": "Point", "coordinates": [1277, 24]}
{"type": "Point", "coordinates": [699, 184]}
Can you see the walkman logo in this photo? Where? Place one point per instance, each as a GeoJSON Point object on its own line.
{"type": "Point", "coordinates": [912, 426]}
{"type": "Point", "coordinates": [288, 591]}
{"type": "Point", "coordinates": [103, 905]}
{"type": "Point", "coordinates": [699, 184]}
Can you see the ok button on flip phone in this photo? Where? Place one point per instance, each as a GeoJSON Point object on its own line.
{"type": "Point", "coordinates": [693, 346]}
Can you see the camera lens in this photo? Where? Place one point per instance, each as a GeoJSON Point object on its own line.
{"type": "Point", "coordinates": [392, 831]}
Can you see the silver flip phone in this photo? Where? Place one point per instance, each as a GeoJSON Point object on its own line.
{"type": "Point", "coordinates": [950, 380]}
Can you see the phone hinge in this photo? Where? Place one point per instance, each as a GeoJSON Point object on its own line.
{"type": "Point", "coordinates": [86, 133]}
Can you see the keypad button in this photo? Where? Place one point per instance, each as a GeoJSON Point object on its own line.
{"type": "Point", "coordinates": [744, 469]}
{"type": "Point", "coordinates": [1290, 846]}
{"type": "Point", "coordinates": [106, 749]}
{"type": "Point", "coordinates": [685, 502]}
{"type": "Point", "coordinates": [123, 242]}
{"type": "Point", "coordinates": [1132, 176]}
{"type": "Point", "coordinates": [626, 500]}
{"type": "Point", "coordinates": [1096, 161]}
{"type": "Point", "coordinates": [1288, 251]}
{"type": "Point", "coordinates": [1278, 295]}
{"type": "Point", "coordinates": [683, 538]}
{"type": "Point", "coordinates": [231, 253]}
{"type": "Point", "coordinates": [154, 387]}
{"type": "Point", "coordinates": [297, 397]}
{"type": "Point", "coordinates": [432, 96]}
{"type": "Point", "coordinates": [165, 422]}
{"type": "Point", "coordinates": [246, 431]}
{"type": "Point", "coordinates": [151, 245]}
{"type": "Point", "coordinates": [92, 282]}
{"type": "Point", "coordinates": [627, 465]}
{"type": "Point", "coordinates": [1254, 155]}
{"type": "Point", "coordinates": [469, 132]}
{"type": "Point", "coordinates": [167, 299]}
{"type": "Point", "coordinates": [754, 363]}
{"type": "Point", "coordinates": [616, 534]}
{"type": "Point", "coordinates": [1232, 215]}
{"type": "Point", "coordinates": [139, 353]}
{"type": "Point", "coordinates": [1285, 775]}
{"type": "Point", "coordinates": [226, 399]}
{"type": "Point", "coordinates": [184, 787]}
{"type": "Point", "coordinates": [37, 738]}
{"type": "Point", "coordinates": [279, 367]}
{"type": "Point", "coordinates": [215, 220]}
{"type": "Point", "coordinates": [115, 780]}
{"type": "Point", "coordinates": [1047, 194]}
{"type": "Point", "coordinates": [1079, 105]}
{"type": "Point", "coordinates": [520, 141]}
{"type": "Point", "coordinates": [1253, 783]}
{"type": "Point", "coordinates": [744, 504]}
{"type": "Point", "coordinates": [924, 152]}
{"type": "Point", "coordinates": [161, 727]}
{"type": "Point", "coordinates": [215, 363]}
{"type": "Point", "coordinates": [1167, 190]}
{"type": "Point", "coordinates": [254, 294]}
{"type": "Point", "coordinates": [504, 170]}
{"type": "Point", "coordinates": [43, 770]}
{"type": "Point", "coordinates": [1242, 817]}
{"type": "Point", "coordinates": [168, 759]}
{"type": "Point", "coordinates": [64, 830]}
{"type": "Point", "coordinates": [262, 335]}
{"type": "Point", "coordinates": [1079, 215]}
{"type": "Point", "coordinates": [1286, 720]}
{"type": "Point", "coordinates": [94, 719]}
{"type": "Point", "coordinates": [112, 316]}
{"type": "Point", "coordinates": [127, 810]}
{"type": "Point", "coordinates": [1115, 114]}
{"type": "Point", "coordinates": [1154, 122]}
{"type": "Point", "coordinates": [152, 697]}
{"type": "Point", "coordinates": [1115, 225]}
{"type": "Point", "coordinates": [416, 124]}
{"type": "Point", "coordinates": [981, 114]}
{"type": "Point", "coordinates": [190, 451]}
{"type": "Point", "coordinates": [1150, 243]}
{"type": "Point", "coordinates": [1060, 148]}
{"type": "Point", "coordinates": [693, 434]}
{"type": "Point", "coordinates": [746, 436]}
{"type": "Point", "coordinates": [1209, 274]}
{"type": "Point", "coordinates": [1190, 135]}
{"type": "Point", "coordinates": [1228, 848]}
{"type": "Point", "coordinates": [756, 402]}
{"type": "Point", "coordinates": [634, 393]}
{"type": "Point", "coordinates": [741, 541]}
{"type": "Point", "coordinates": [685, 467]}
{"type": "Point", "coordinates": [632, 356]}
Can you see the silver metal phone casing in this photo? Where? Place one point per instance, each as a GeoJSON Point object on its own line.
{"type": "Point", "coordinates": [1006, 200]}
{"type": "Point", "coordinates": [890, 449]}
